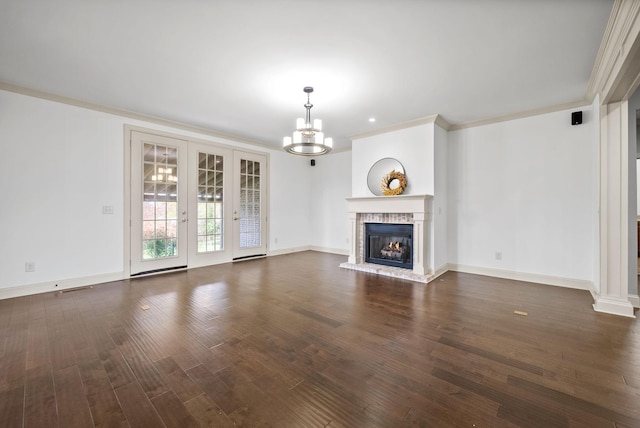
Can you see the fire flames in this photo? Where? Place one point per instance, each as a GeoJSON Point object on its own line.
{"type": "Point", "coordinates": [395, 246]}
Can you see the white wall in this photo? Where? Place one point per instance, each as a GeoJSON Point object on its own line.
{"type": "Point", "coordinates": [330, 186]}
{"type": "Point", "coordinates": [289, 203]}
{"type": "Point", "coordinates": [62, 163]}
{"type": "Point", "coordinates": [526, 188]}
{"type": "Point", "coordinates": [413, 147]}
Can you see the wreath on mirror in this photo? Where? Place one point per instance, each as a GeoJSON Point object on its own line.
{"type": "Point", "coordinates": [389, 179]}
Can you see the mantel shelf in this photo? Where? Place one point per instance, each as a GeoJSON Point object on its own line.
{"type": "Point", "coordinates": [390, 204]}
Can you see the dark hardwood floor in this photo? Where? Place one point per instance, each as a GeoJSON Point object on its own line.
{"type": "Point", "coordinates": [295, 341]}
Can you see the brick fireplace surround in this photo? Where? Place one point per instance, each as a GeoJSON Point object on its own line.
{"type": "Point", "coordinates": [410, 209]}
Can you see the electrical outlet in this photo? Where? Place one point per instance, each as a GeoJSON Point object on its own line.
{"type": "Point", "coordinates": [29, 267]}
{"type": "Point", "coordinates": [498, 255]}
{"type": "Point", "coordinates": [107, 209]}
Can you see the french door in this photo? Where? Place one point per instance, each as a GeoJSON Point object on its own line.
{"type": "Point", "coordinates": [158, 203]}
{"type": "Point", "coordinates": [211, 196]}
{"type": "Point", "coordinates": [194, 204]}
{"type": "Point", "coordinates": [249, 209]}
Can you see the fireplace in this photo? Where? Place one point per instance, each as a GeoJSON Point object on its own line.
{"type": "Point", "coordinates": [389, 244]}
{"type": "Point", "coordinates": [412, 211]}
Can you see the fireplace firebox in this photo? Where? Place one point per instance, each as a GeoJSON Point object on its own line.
{"type": "Point", "coordinates": [389, 244]}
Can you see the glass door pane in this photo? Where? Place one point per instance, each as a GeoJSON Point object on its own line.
{"type": "Point", "coordinates": [210, 232]}
{"type": "Point", "coordinates": [160, 202]}
{"type": "Point", "coordinates": [250, 213]}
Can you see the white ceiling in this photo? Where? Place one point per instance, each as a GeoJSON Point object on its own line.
{"type": "Point", "coordinates": [239, 66]}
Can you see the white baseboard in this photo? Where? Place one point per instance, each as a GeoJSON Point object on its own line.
{"type": "Point", "coordinates": [308, 248]}
{"type": "Point", "coordinates": [65, 284]}
{"type": "Point", "coordinates": [441, 270]}
{"type": "Point", "coordinates": [288, 250]}
{"type": "Point", "coordinates": [338, 251]}
{"type": "Point", "coordinates": [635, 300]}
{"type": "Point", "coordinates": [579, 284]}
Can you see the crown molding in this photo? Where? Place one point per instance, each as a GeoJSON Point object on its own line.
{"type": "Point", "coordinates": [521, 115]}
{"type": "Point", "coordinates": [597, 73]}
{"type": "Point", "coordinates": [616, 54]}
{"type": "Point", "coordinates": [435, 118]}
{"type": "Point", "coordinates": [128, 114]}
{"type": "Point", "coordinates": [442, 123]}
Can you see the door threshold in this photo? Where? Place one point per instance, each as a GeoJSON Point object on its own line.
{"type": "Point", "coordinates": [154, 271]}
{"type": "Point", "coordinates": [255, 256]}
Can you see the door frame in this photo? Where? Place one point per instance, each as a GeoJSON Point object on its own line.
{"type": "Point", "coordinates": [214, 142]}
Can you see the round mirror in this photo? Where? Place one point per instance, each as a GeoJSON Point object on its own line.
{"type": "Point", "coordinates": [379, 170]}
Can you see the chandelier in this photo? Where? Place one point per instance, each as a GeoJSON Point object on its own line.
{"type": "Point", "coordinates": [308, 138]}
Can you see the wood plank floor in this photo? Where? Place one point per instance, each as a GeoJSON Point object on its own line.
{"type": "Point", "coordinates": [295, 341]}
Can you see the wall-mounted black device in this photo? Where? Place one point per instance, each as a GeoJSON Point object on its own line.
{"type": "Point", "coordinates": [576, 118]}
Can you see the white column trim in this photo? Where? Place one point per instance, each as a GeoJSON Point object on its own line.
{"type": "Point", "coordinates": [419, 244]}
{"type": "Point", "coordinates": [614, 306]}
{"type": "Point", "coordinates": [612, 296]}
{"type": "Point", "coordinates": [353, 244]}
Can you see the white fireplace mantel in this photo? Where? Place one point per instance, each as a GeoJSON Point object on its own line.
{"type": "Point", "coordinates": [417, 209]}
{"type": "Point", "coordinates": [416, 204]}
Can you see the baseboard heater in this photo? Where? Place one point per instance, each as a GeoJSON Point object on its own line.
{"type": "Point", "coordinates": [149, 272]}
{"type": "Point", "coordinates": [255, 256]}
